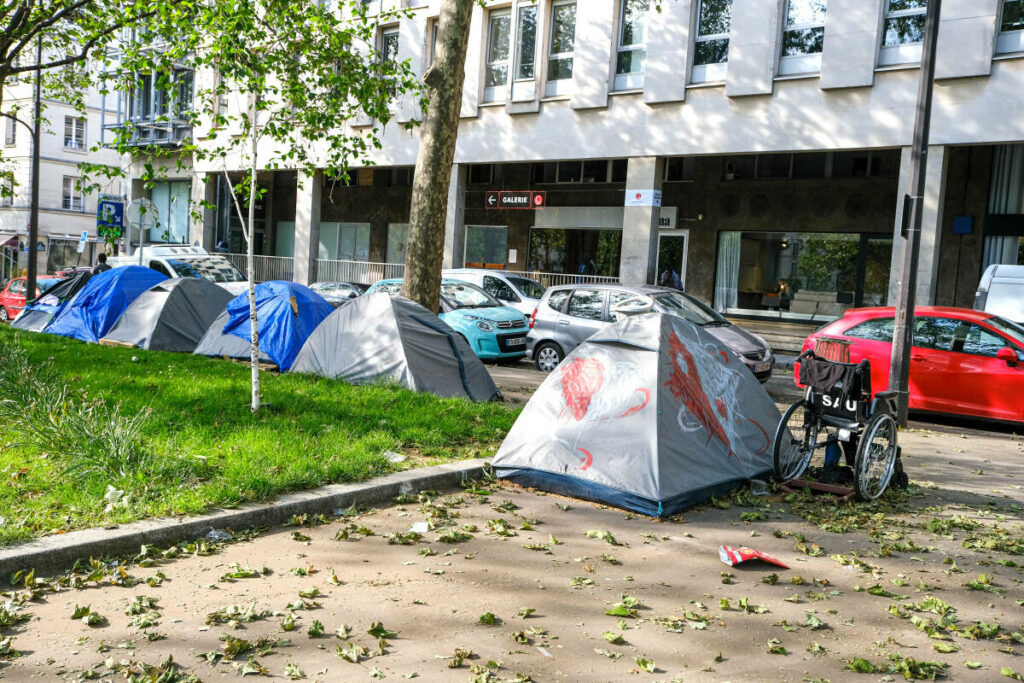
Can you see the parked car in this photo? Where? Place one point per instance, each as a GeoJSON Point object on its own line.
{"type": "Point", "coordinates": [962, 362]}
{"type": "Point", "coordinates": [493, 331]}
{"type": "Point", "coordinates": [338, 293]}
{"type": "Point", "coordinates": [520, 293]}
{"type": "Point", "coordinates": [71, 270]}
{"type": "Point", "coordinates": [569, 314]}
{"type": "Point", "coordinates": [13, 295]}
{"type": "Point", "coordinates": [1001, 292]}
{"type": "Point", "coordinates": [186, 261]}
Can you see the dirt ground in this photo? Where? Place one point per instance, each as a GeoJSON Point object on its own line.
{"type": "Point", "coordinates": [665, 579]}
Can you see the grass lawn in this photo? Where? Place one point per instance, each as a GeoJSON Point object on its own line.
{"type": "Point", "coordinates": [200, 446]}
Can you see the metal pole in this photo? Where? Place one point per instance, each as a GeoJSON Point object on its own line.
{"type": "Point", "coordinates": [33, 216]}
{"type": "Point", "coordinates": [913, 207]}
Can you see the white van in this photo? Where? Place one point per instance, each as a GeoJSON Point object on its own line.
{"type": "Point", "coordinates": [1001, 292]}
{"type": "Point", "coordinates": [516, 291]}
{"type": "Point", "coordinates": [187, 261]}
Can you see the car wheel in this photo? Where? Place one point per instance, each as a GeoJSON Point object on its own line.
{"type": "Point", "coordinates": [547, 356]}
{"type": "Point", "coordinates": [4, 317]}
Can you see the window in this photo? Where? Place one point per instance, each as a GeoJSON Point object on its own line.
{"type": "Point", "coordinates": [486, 245]}
{"type": "Point", "coordinates": [1011, 27]}
{"type": "Point", "coordinates": [6, 191]}
{"type": "Point", "coordinates": [401, 176]}
{"type": "Point", "coordinates": [935, 333]}
{"type": "Point", "coordinates": [679, 169]}
{"type": "Point", "coordinates": [433, 41]}
{"type": "Point", "coordinates": [480, 174]}
{"type": "Point", "coordinates": [592, 171]}
{"type": "Point", "coordinates": [587, 303]}
{"type": "Point", "coordinates": [499, 35]}
{"type": "Point", "coordinates": [560, 52]}
{"type": "Point", "coordinates": [875, 163]}
{"type": "Point", "coordinates": [880, 329]}
{"type": "Point", "coordinates": [978, 341]}
{"type": "Point", "coordinates": [711, 47]}
{"type": "Point", "coordinates": [803, 37]}
{"type": "Point", "coordinates": [556, 301]}
{"type": "Point", "coordinates": [629, 61]}
{"type": "Point", "coordinates": [580, 251]}
{"type": "Point", "coordinates": [345, 241]}
{"type": "Point", "coordinates": [526, 42]}
{"type": "Point", "coordinates": [74, 132]}
{"type": "Point", "coordinates": [72, 195]}
{"type": "Point", "coordinates": [11, 133]}
{"type": "Point", "coordinates": [903, 31]}
{"type": "Point", "coordinates": [398, 236]}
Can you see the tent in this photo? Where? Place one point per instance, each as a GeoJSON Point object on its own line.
{"type": "Point", "coordinates": [170, 316]}
{"type": "Point", "coordinates": [102, 300]}
{"type": "Point", "coordinates": [651, 414]}
{"type": "Point", "coordinates": [376, 336]}
{"type": "Point", "coordinates": [287, 313]}
{"type": "Point", "coordinates": [38, 314]}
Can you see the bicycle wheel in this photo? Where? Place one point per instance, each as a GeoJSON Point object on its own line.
{"type": "Point", "coordinates": [794, 442]}
{"type": "Point", "coordinates": [876, 457]}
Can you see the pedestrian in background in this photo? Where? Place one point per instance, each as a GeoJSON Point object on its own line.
{"type": "Point", "coordinates": [101, 264]}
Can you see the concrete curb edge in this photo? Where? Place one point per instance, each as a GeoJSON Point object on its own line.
{"type": "Point", "coordinates": [56, 554]}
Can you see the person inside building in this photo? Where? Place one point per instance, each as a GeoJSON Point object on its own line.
{"type": "Point", "coordinates": [670, 278]}
{"type": "Point", "coordinates": [101, 264]}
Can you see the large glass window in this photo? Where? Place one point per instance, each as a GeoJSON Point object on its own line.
{"type": "Point", "coordinates": [803, 38]}
{"type": "Point", "coordinates": [11, 135]}
{"type": "Point", "coordinates": [1011, 27]}
{"type": "Point", "coordinates": [629, 61]}
{"type": "Point", "coordinates": [561, 45]}
{"type": "Point", "coordinates": [499, 35]}
{"type": "Point", "coordinates": [398, 236]}
{"type": "Point", "coordinates": [801, 275]}
{"type": "Point", "coordinates": [526, 42]}
{"type": "Point", "coordinates": [345, 241]}
{"type": "Point", "coordinates": [171, 201]}
{"type": "Point", "coordinates": [711, 47]}
{"type": "Point", "coordinates": [903, 31]}
{"type": "Point", "coordinates": [578, 251]}
{"type": "Point", "coordinates": [74, 132]}
{"type": "Point", "coordinates": [486, 245]}
{"type": "Point", "coordinates": [71, 199]}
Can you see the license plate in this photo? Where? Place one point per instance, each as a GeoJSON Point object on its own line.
{"type": "Point", "coordinates": [763, 366]}
{"type": "Point", "coordinates": [516, 341]}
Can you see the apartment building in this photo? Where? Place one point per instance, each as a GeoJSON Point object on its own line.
{"type": "Point", "coordinates": [65, 211]}
{"type": "Point", "coordinates": [759, 148]}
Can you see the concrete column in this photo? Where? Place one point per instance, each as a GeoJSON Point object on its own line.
{"type": "Point", "coordinates": [455, 220]}
{"type": "Point", "coordinates": [307, 226]}
{"type": "Point", "coordinates": [853, 31]}
{"type": "Point", "coordinates": [967, 38]}
{"type": "Point", "coordinates": [668, 49]}
{"type": "Point", "coordinates": [591, 63]}
{"type": "Point", "coordinates": [931, 225]}
{"type": "Point", "coordinates": [753, 47]}
{"type": "Point", "coordinates": [204, 190]}
{"type": "Point", "coordinates": [640, 223]}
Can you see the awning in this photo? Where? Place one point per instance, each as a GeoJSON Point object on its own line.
{"type": "Point", "coordinates": [6, 237]}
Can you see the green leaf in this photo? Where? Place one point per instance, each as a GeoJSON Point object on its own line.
{"type": "Point", "coordinates": [525, 612]}
{"type": "Point", "coordinates": [613, 638]}
{"type": "Point", "coordinates": [973, 665]}
{"type": "Point", "coordinates": [945, 648]}
{"type": "Point", "coordinates": [814, 623]}
{"type": "Point", "coordinates": [378, 631]}
{"type": "Point", "coordinates": [293, 672]}
{"type": "Point", "coordinates": [1010, 673]}
{"type": "Point", "coordinates": [645, 664]}
{"type": "Point", "coordinates": [487, 619]}
{"type": "Point", "coordinates": [288, 623]}
{"type": "Point", "coordinates": [315, 630]}
{"type": "Point", "coordinates": [861, 666]}
{"type": "Point", "coordinates": [604, 535]}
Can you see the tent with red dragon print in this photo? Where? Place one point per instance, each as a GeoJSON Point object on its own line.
{"type": "Point", "coordinates": [650, 414]}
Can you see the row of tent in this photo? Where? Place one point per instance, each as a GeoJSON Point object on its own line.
{"type": "Point", "coordinates": [651, 413]}
{"type": "Point", "coordinates": [373, 338]}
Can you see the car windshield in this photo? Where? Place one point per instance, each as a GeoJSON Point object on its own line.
{"type": "Point", "coordinates": [463, 295]}
{"type": "Point", "coordinates": [533, 290]}
{"type": "Point", "coordinates": [685, 307]}
{"type": "Point", "coordinates": [332, 288]}
{"type": "Point", "coordinates": [1010, 329]}
{"type": "Point", "coordinates": [389, 288]}
{"type": "Point", "coordinates": [209, 268]}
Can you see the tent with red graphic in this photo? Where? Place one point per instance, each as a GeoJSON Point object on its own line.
{"type": "Point", "coordinates": [651, 414]}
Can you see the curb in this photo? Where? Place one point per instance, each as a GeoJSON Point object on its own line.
{"type": "Point", "coordinates": [55, 554]}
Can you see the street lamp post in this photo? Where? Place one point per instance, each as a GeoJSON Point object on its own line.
{"type": "Point", "coordinates": [913, 206]}
{"type": "Point", "coordinates": [33, 216]}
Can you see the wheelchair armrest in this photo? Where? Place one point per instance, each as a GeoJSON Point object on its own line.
{"type": "Point", "coordinates": [884, 401]}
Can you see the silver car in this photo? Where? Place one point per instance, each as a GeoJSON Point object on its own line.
{"type": "Point", "coordinates": [569, 314]}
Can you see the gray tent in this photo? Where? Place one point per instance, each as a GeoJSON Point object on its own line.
{"type": "Point", "coordinates": [219, 345]}
{"type": "Point", "coordinates": [170, 316]}
{"type": "Point", "coordinates": [651, 414]}
{"type": "Point", "coordinates": [377, 336]}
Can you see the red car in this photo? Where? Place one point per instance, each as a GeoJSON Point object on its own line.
{"type": "Point", "coordinates": [12, 297]}
{"type": "Point", "coordinates": [963, 362]}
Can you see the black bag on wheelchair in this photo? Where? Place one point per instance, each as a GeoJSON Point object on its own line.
{"type": "Point", "coordinates": [839, 390]}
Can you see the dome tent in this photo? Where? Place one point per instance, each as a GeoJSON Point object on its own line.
{"type": "Point", "coordinates": [651, 414]}
{"type": "Point", "coordinates": [38, 314]}
{"type": "Point", "coordinates": [286, 313]}
{"type": "Point", "coordinates": [171, 316]}
{"type": "Point", "coordinates": [99, 304]}
{"type": "Point", "coordinates": [377, 336]}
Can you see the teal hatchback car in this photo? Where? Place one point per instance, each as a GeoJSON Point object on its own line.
{"type": "Point", "coordinates": [493, 331]}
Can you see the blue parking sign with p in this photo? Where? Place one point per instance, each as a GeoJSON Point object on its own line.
{"type": "Point", "coordinates": [110, 216]}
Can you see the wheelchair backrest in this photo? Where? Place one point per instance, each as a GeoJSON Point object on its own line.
{"type": "Point", "coordinates": [839, 389]}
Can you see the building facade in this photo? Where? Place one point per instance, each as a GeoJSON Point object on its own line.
{"type": "Point", "coordinates": [759, 148]}
{"type": "Point", "coordinates": [65, 211]}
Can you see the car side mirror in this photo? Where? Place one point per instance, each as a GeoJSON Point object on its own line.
{"type": "Point", "coordinates": [1009, 355]}
{"type": "Point", "coordinates": [352, 295]}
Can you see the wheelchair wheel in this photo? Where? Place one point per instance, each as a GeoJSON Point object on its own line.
{"type": "Point", "coordinates": [876, 457]}
{"type": "Point", "coordinates": [794, 442]}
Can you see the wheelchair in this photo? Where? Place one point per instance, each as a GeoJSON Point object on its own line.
{"type": "Point", "coordinates": [838, 415]}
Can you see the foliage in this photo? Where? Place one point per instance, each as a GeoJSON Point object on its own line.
{"type": "Point", "coordinates": [828, 263]}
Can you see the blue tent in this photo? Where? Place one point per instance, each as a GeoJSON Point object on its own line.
{"type": "Point", "coordinates": [38, 314]}
{"type": "Point", "coordinates": [287, 314]}
{"type": "Point", "coordinates": [95, 309]}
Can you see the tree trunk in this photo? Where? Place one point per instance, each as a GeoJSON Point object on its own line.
{"type": "Point", "coordinates": [425, 248]}
{"type": "Point", "coordinates": [250, 263]}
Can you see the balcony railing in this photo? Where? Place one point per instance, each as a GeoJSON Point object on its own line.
{"type": "Point", "coordinates": [265, 267]}
{"type": "Point", "coordinates": [554, 279]}
{"type": "Point", "coordinates": [360, 272]}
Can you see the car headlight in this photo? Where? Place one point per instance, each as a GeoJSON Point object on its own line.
{"type": "Point", "coordinates": [484, 326]}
